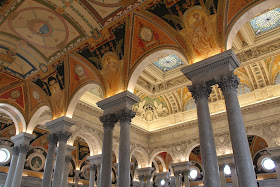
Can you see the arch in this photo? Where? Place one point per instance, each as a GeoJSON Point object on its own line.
{"type": "Point", "coordinates": [91, 138]}
{"type": "Point", "coordinates": [147, 61]}
{"type": "Point", "coordinates": [268, 140]}
{"type": "Point", "coordinates": [162, 163]}
{"type": "Point", "coordinates": [141, 155]}
{"type": "Point", "coordinates": [35, 119]}
{"type": "Point", "coordinates": [15, 115]}
{"type": "Point", "coordinates": [157, 151]}
{"type": "Point", "coordinates": [78, 94]}
{"type": "Point", "coordinates": [246, 16]}
{"type": "Point", "coordinates": [189, 149]}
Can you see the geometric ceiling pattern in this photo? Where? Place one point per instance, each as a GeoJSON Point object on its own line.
{"type": "Point", "coordinates": [266, 21]}
{"type": "Point", "coordinates": [168, 63]}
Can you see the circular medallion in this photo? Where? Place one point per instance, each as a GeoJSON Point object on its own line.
{"type": "Point", "coordinates": [36, 161]}
{"type": "Point", "coordinates": [146, 34]}
{"type": "Point", "coordinates": [86, 172]}
{"type": "Point", "coordinates": [39, 27]}
{"type": "Point", "coordinates": [15, 94]}
{"type": "Point", "coordinates": [43, 68]}
{"type": "Point", "coordinates": [36, 95]}
{"type": "Point", "coordinates": [79, 70]}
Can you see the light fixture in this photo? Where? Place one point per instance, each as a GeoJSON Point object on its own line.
{"type": "Point", "coordinates": [268, 164]}
{"type": "Point", "coordinates": [193, 174]}
{"type": "Point", "coordinates": [4, 155]}
{"type": "Point", "coordinates": [227, 170]}
{"type": "Point", "coordinates": [162, 182]}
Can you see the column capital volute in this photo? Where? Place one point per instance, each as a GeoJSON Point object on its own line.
{"type": "Point", "coordinates": [109, 120]}
{"type": "Point", "coordinates": [229, 83]}
{"type": "Point", "coordinates": [15, 150]}
{"type": "Point", "coordinates": [200, 91]}
{"type": "Point", "coordinates": [125, 115]}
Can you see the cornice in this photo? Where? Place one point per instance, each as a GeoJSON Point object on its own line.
{"type": "Point", "coordinates": [89, 108]}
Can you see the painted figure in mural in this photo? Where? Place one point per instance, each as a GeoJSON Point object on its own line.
{"type": "Point", "coordinates": [199, 32]}
{"type": "Point", "coordinates": [112, 72]}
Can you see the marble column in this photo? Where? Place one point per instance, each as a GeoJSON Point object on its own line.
{"type": "Point", "coordinates": [275, 156]}
{"type": "Point", "coordinates": [12, 167]}
{"type": "Point", "coordinates": [222, 175]}
{"type": "Point", "coordinates": [108, 121]}
{"type": "Point", "coordinates": [124, 148]}
{"type": "Point", "coordinates": [48, 170]}
{"type": "Point", "coordinates": [162, 176]}
{"type": "Point", "coordinates": [241, 150]}
{"type": "Point", "coordinates": [61, 127]}
{"type": "Point", "coordinates": [211, 176]}
{"type": "Point", "coordinates": [177, 175]}
{"type": "Point", "coordinates": [92, 169]}
{"type": "Point", "coordinates": [141, 180]}
{"type": "Point", "coordinates": [121, 105]}
{"type": "Point", "coordinates": [77, 178]}
{"type": "Point", "coordinates": [96, 160]}
{"type": "Point", "coordinates": [68, 158]}
{"type": "Point", "coordinates": [20, 165]}
{"type": "Point", "coordinates": [234, 178]}
{"type": "Point", "coordinates": [60, 159]}
{"type": "Point", "coordinates": [186, 177]}
{"type": "Point", "coordinates": [21, 140]}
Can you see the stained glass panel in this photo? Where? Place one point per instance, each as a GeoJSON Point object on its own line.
{"type": "Point", "coordinates": [168, 63]}
{"type": "Point", "coordinates": [266, 21]}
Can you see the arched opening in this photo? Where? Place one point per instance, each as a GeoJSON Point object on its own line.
{"type": "Point", "coordinates": [141, 156]}
{"type": "Point", "coordinates": [249, 14]}
{"type": "Point", "coordinates": [41, 116]}
{"type": "Point", "coordinates": [162, 159]}
{"type": "Point", "coordinates": [91, 139]}
{"type": "Point", "coordinates": [90, 93]}
{"type": "Point", "coordinates": [154, 57]}
{"type": "Point", "coordinates": [15, 115]}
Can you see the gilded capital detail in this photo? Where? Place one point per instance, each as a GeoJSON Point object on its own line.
{"type": "Point", "coordinates": [200, 91]}
{"type": "Point", "coordinates": [229, 83]}
{"type": "Point", "coordinates": [109, 120]}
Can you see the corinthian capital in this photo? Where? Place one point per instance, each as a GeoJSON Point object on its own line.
{"type": "Point", "coordinates": [109, 120]}
{"type": "Point", "coordinates": [229, 83]}
{"type": "Point", "coordinates": [52, 138]}
{"type": "Point", "coordinates": [200, 91]}
{"type": "Point", "coordinates": [63, 135]}
{"type": "Point", "coordinates": [24, 148]}
{"type": "Point", "coordinates": [15, 150]}
{"type": "Point", "coordinates": [126, 115]}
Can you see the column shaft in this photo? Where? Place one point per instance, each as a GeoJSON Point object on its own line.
{"type": "Point", "coordinates": [177, 179]}
{"type": "Point", "coordinates": [92, 176]}
{"type": "Point", "coordinates": [12, 167]}
{"type": "Point", "coordinates": [106, 162]}
{"type": "Point", "coordinates": [66, 171]}
{"type": "Point", "coordinates": [48, 170]}
{"type": "Point", "coordinates": [60, 159]}
{"type": "Point", "coordinates": [98, 175]}
{"type": "Point", "coordinates": [20, 165]}
{"type": "Point", "coordinates": [124, 155]}
{"type": "Point", "coordinates": [222, 175]}
{"type": "Point", "coordinates": [207, 144]}
{"type": "Point", "coordinates": [186, 179]}
{"type": "Point", "coordinates": [241, 150]}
